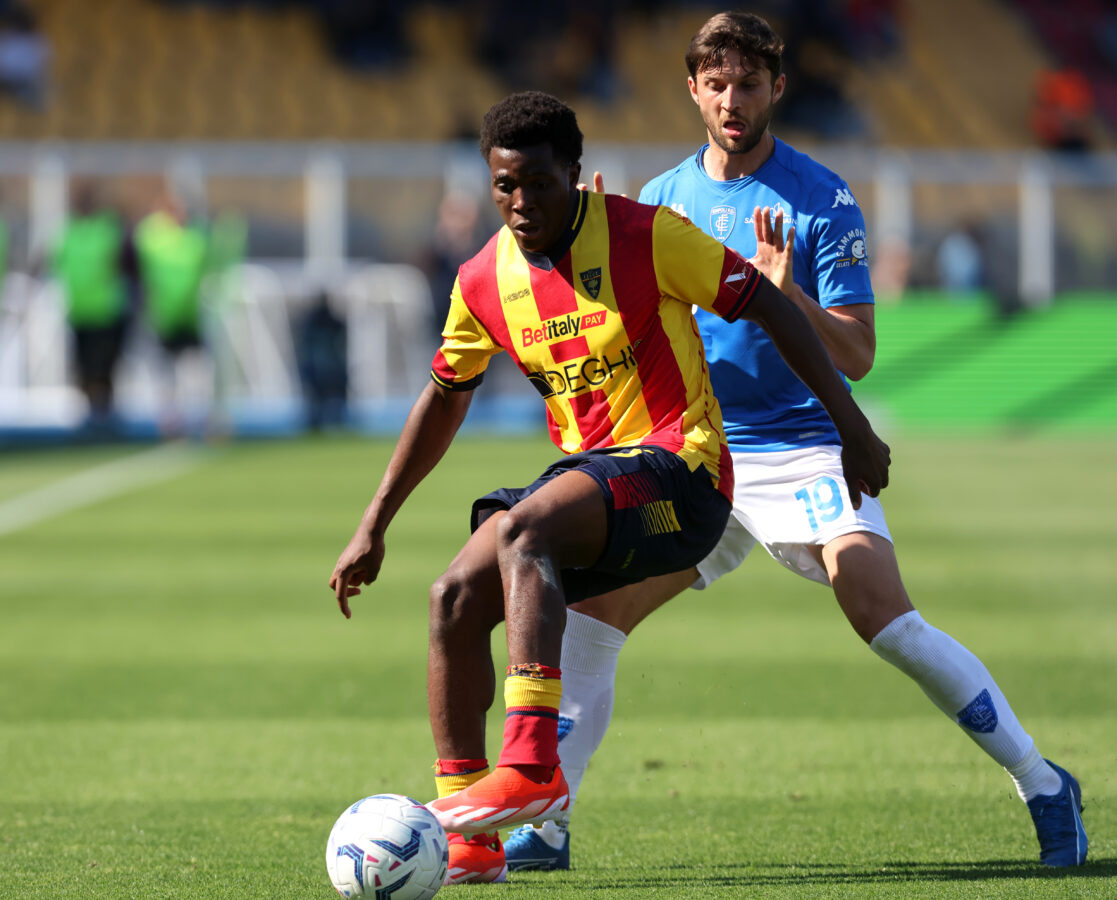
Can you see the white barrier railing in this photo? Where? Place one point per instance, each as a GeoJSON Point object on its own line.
{"type": "Point", "coordinates": [251, 370]}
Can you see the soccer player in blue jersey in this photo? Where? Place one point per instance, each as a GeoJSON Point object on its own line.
{"type": "Point", "coordinates": [789, 495]}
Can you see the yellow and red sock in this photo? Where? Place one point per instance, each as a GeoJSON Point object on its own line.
{"type": "Point", "coordinates": [453, 775]}
{"type": "Point", "coordinates": [531, 697]}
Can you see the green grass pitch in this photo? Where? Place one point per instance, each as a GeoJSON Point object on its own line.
{"type": "Point", "coordinates": [183, 712]}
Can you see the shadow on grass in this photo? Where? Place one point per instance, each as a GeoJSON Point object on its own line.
{"type": "Point", "coordinates": [758, 874]}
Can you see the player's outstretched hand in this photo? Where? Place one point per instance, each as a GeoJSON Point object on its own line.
{"type": "Point", "coordinates": [865, 462]}
{"type": "Point", "coordinates": [774, 250]}
{"type": "Point", "coordinates": [358, 564]}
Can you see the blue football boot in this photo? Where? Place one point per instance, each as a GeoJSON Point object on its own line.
{"type": "Point", "coordinates": [524, 850]}
{"type": "Point", "coordinates": [1058, 820]}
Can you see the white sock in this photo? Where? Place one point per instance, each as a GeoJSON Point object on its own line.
{"type": "Point", "coordinates": [959, 684]}
{"type": "Point", "coordinates": [553, 834]}
{"type": "Point", "coordinates": [589, 668]}
{"type": "Point", "coordinates": [1033, 776]}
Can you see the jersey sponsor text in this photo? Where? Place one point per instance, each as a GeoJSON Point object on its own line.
{"type": "Point", "coordinates": [561, 329]}
{"type": "Point", "coordinates": [586, 375]}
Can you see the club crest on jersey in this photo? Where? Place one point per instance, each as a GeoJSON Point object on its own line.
{"type": "Point", "coordinates": [591, 281]}
{"type": "Point", "coordinates": [722, 220]}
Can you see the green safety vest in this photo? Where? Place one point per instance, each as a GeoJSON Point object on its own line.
{"type": "Point", "coordinates": [87, 262]}
{"type": "Point", "coordinates": [172, 260]}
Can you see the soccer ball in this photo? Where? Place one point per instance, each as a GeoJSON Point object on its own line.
{"type": "Point", "coordinates": [387, 846]}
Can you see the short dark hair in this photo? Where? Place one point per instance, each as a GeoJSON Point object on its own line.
{"type": "Point", "coordinates": [751, 36]}
{"type": "Point", "coordinates": [530, 118]}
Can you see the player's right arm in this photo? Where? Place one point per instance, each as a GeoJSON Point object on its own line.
{"type": "Point", "coordinates": [459, 366]}
{"type": "Point", "coordinates": [430, 428]}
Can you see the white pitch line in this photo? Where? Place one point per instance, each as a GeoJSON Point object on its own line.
{"type": "Point", "coordinates": [102, 482]}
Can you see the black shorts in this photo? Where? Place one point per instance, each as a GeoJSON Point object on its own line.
{"type": "Point", "coordinates": [662, 516]}
{"type": "Point", "coordinates": [176, 342]}
{"type": "Point", "coordinates": [96, 351]}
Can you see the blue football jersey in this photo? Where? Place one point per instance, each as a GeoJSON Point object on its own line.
{"type": "Point", "coordinates": [765, 405]}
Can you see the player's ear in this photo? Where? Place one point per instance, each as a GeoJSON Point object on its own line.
{"type": "Point", "coordinates": [575, 173]}
{"type": "Point", "coordinates": [779, 86]}
{"type": "Point", "coordinates": [693, 85]}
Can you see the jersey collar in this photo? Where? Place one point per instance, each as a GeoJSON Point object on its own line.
{"type": "Point", "coordinates": [700, 157]}
{"type": "Point", "coordinates": [548, 260]}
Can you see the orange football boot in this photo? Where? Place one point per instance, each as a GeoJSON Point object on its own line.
{"type": "Point", "coordinates": [502, 798]}
{"type": "Point", "coordinates": [476, 860]}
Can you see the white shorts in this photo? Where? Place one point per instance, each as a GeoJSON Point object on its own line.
{"type": "Point", "coordinates": [788, 501]}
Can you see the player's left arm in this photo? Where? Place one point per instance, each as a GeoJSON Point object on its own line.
{"type": "Point", "coordinates": [865, 457]}
{"type": "Point", "coordinates": [685, 259]}
{"type": "Point", "coordinates": [848, 332]}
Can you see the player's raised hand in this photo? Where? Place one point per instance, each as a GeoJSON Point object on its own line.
{"type": "Point", "coordinates": [774, 251]}
{"type": "Point", "coordinates": [358, 564]}
{"type": "Point", "coordinates": [598, 185]}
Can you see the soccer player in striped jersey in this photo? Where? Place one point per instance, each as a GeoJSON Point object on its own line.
{"type": "Point", "coordinates": [789, 494]}
{"type": "Point", "coordinates": [591, 295]}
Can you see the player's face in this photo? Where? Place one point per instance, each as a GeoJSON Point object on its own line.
{"type": "Point", "coordinates": [532, 190]}
{"type": "Point", "coordinates": [736, 102]}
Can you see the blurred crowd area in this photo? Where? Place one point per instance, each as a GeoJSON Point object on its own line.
{"type": "Point", "coordinates": [893, 72]}
{"type": "Point", "coordinates": [311, 181]}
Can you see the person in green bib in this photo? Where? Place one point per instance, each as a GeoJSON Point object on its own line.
{"type": "Point", "coordinates": [172, 260]}
{"type": "Point", "coordinates": [172, 254]}
{"type": "Point", "coordinates": [88, 261]}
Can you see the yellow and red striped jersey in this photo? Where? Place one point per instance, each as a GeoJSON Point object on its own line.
{"type": "Point", "coordinates": [605, 333]}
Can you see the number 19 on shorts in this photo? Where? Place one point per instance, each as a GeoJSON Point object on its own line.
{"type": "Point", "coordinates": [822, 503]}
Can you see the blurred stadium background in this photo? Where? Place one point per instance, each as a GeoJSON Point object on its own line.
{"type": "Point", "coordinates": [325, 155]}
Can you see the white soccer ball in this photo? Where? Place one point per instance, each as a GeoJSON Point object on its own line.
{"type": "Point", "coordinates": [387, 846]}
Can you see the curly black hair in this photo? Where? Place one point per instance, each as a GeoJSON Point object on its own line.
{"type": "Point", "coordinates": [528, 119]}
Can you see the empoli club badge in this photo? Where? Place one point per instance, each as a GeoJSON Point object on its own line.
{"type": "Point", "coordinates": [722, 220]}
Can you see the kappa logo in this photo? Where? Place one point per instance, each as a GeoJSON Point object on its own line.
{"type": "Point", "coordinates": [679, 209]}
{"type": "Point", "coordinates": [722, 220]}
{"type": "Point", "coordinates": [843, 198]}
{"type": "Point", "coordinates": [591, 281]}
